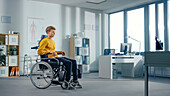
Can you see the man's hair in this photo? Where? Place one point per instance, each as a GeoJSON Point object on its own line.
{"type": "Point", "coordinates": [48, 29]}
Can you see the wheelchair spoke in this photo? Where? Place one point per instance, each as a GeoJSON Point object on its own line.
{"type": "Point", "coordinates": [41, 75]}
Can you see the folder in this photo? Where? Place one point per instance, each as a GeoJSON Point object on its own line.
{"type": "Point", "coordinates": [17, 71]}
{"type": "Point", "coordinates": [12, 71]}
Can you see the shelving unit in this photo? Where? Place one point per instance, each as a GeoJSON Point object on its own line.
{"type": "Point", "coordinates": [80, 51]}
{"type": "Point", "coordinates": [10, 67]}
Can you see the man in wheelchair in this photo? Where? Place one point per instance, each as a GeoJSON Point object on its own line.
{"type": "Point", "coordinates": [47, 46]}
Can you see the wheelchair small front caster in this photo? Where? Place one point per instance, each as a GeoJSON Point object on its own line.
{"type": "Point", "coordinates": [64, 85]}
{"type": "Point", "coordinates": [72, 83]}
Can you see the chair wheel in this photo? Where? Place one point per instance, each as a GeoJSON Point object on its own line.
{"type": "Point", "coordinates": [72, 83]}
{"type": "Point", "coordinates": [64, 85]}
{"type": "Point", "coordinates": [41, 75]}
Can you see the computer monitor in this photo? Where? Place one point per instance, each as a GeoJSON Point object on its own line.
{"type": "Point", "coordinates": [125, 47]}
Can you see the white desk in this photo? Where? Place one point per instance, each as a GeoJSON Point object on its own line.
{"type": "Point", "coordinates": [158, 58]}
{"type": "Point", "coordinates": [129, 65]}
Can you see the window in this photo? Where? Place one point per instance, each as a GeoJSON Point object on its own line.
{"type": "Point", "coordinates": [116, 31]}
{"type": "Point", "coordinates": [135, 29]}
{"type": "Point", "coordinates": [161, 23]}
{"type": "Point", "coordinates": [152, 31]}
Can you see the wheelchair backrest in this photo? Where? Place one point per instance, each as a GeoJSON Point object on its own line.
{"type": "Point", "coordinates": [36, 47]}
{"type": "Point", "coordinates": [42, 37]}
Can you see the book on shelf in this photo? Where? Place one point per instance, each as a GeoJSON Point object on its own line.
{"type": "Point", "coordinates": [17, 71]}
{"type": "Point", "coordinates": [12, 71]}
{"type": "Point", "coordinates": [6, 39]}
{"type": "Point", "coordinates": [87, 43]}
{"type": "Point", "coordinates": [6, 61]}
{"type": "Point", "coordinates": [84, 42]}
{"type": "Point", "coordinates": [86, 60]}
{"type": "Point", "coordinates": [78, 51]}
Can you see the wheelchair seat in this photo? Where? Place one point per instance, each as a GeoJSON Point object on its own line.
{"type": "Point", "coordinates": [52, 61]}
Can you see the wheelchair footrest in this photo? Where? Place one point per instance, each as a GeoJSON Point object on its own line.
{"type": "Point", "coordinates": [56, 82]}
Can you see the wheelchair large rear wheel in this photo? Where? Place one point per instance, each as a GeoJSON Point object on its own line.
{"type": "Point", "coordinates": [41, 75]}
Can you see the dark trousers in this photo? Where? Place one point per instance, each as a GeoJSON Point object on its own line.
{"type": "Point", "coordinates": [70, 66]}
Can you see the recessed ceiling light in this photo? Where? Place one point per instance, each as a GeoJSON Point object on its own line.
{"type": "Point", "coordinates": [95, 1]}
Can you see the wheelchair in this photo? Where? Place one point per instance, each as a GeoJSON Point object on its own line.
{"type": "Point", "coordinates": [47, 71]}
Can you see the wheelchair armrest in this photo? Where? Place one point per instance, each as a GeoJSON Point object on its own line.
{"type": "Point", "coordinates": [35, 47]}
{"type": "Point", "coordinates": [51, 53]}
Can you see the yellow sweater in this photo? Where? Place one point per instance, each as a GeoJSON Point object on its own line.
{"type": "Point", "coordinates": [47, 45]}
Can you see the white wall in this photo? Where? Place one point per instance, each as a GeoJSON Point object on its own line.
{"type": "Point", "coordinates": [51, 15]}
{"type": "Point", "coordinates": [11, 8]}
{"type": "Point", "coordinates": [66, 19]}
{"type": "Point", "coordinates": [104, 29]}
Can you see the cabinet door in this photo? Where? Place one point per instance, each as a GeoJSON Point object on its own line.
{"type": "Point", "coordinates": [86, 69]}
{"type": "Point", "coordinates": [13, 39]}
{"type": "Point", "coordinates": [3, 71]}
{"type": "Point", "coordinates": [13, 60]}
{"type": "Point", "coordinates": [78, 59]}
{"type": "Point", "coordinates": [78, 42]}
{"type": "Point", "coordinates": [85, 51]}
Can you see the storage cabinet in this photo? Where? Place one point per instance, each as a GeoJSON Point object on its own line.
{"type": "Point", "coordinates": [80, 51]}
{"type": "Point", "coordinates": [9, 55]}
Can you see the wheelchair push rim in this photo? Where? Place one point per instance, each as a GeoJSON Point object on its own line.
{"type": "Point", "coordinates": [41, 75]}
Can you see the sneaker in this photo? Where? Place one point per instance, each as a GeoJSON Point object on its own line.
{"type": "Point", "coordinates": [77, 84]}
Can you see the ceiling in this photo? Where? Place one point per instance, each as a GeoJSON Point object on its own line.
{"type": "Point", "coordinates": [109, 4]}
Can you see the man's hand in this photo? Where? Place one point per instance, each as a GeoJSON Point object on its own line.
{"type": "Point", "coordinates": [53, 53]}
{"type": "Point", "coordinates": [63, 53]}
